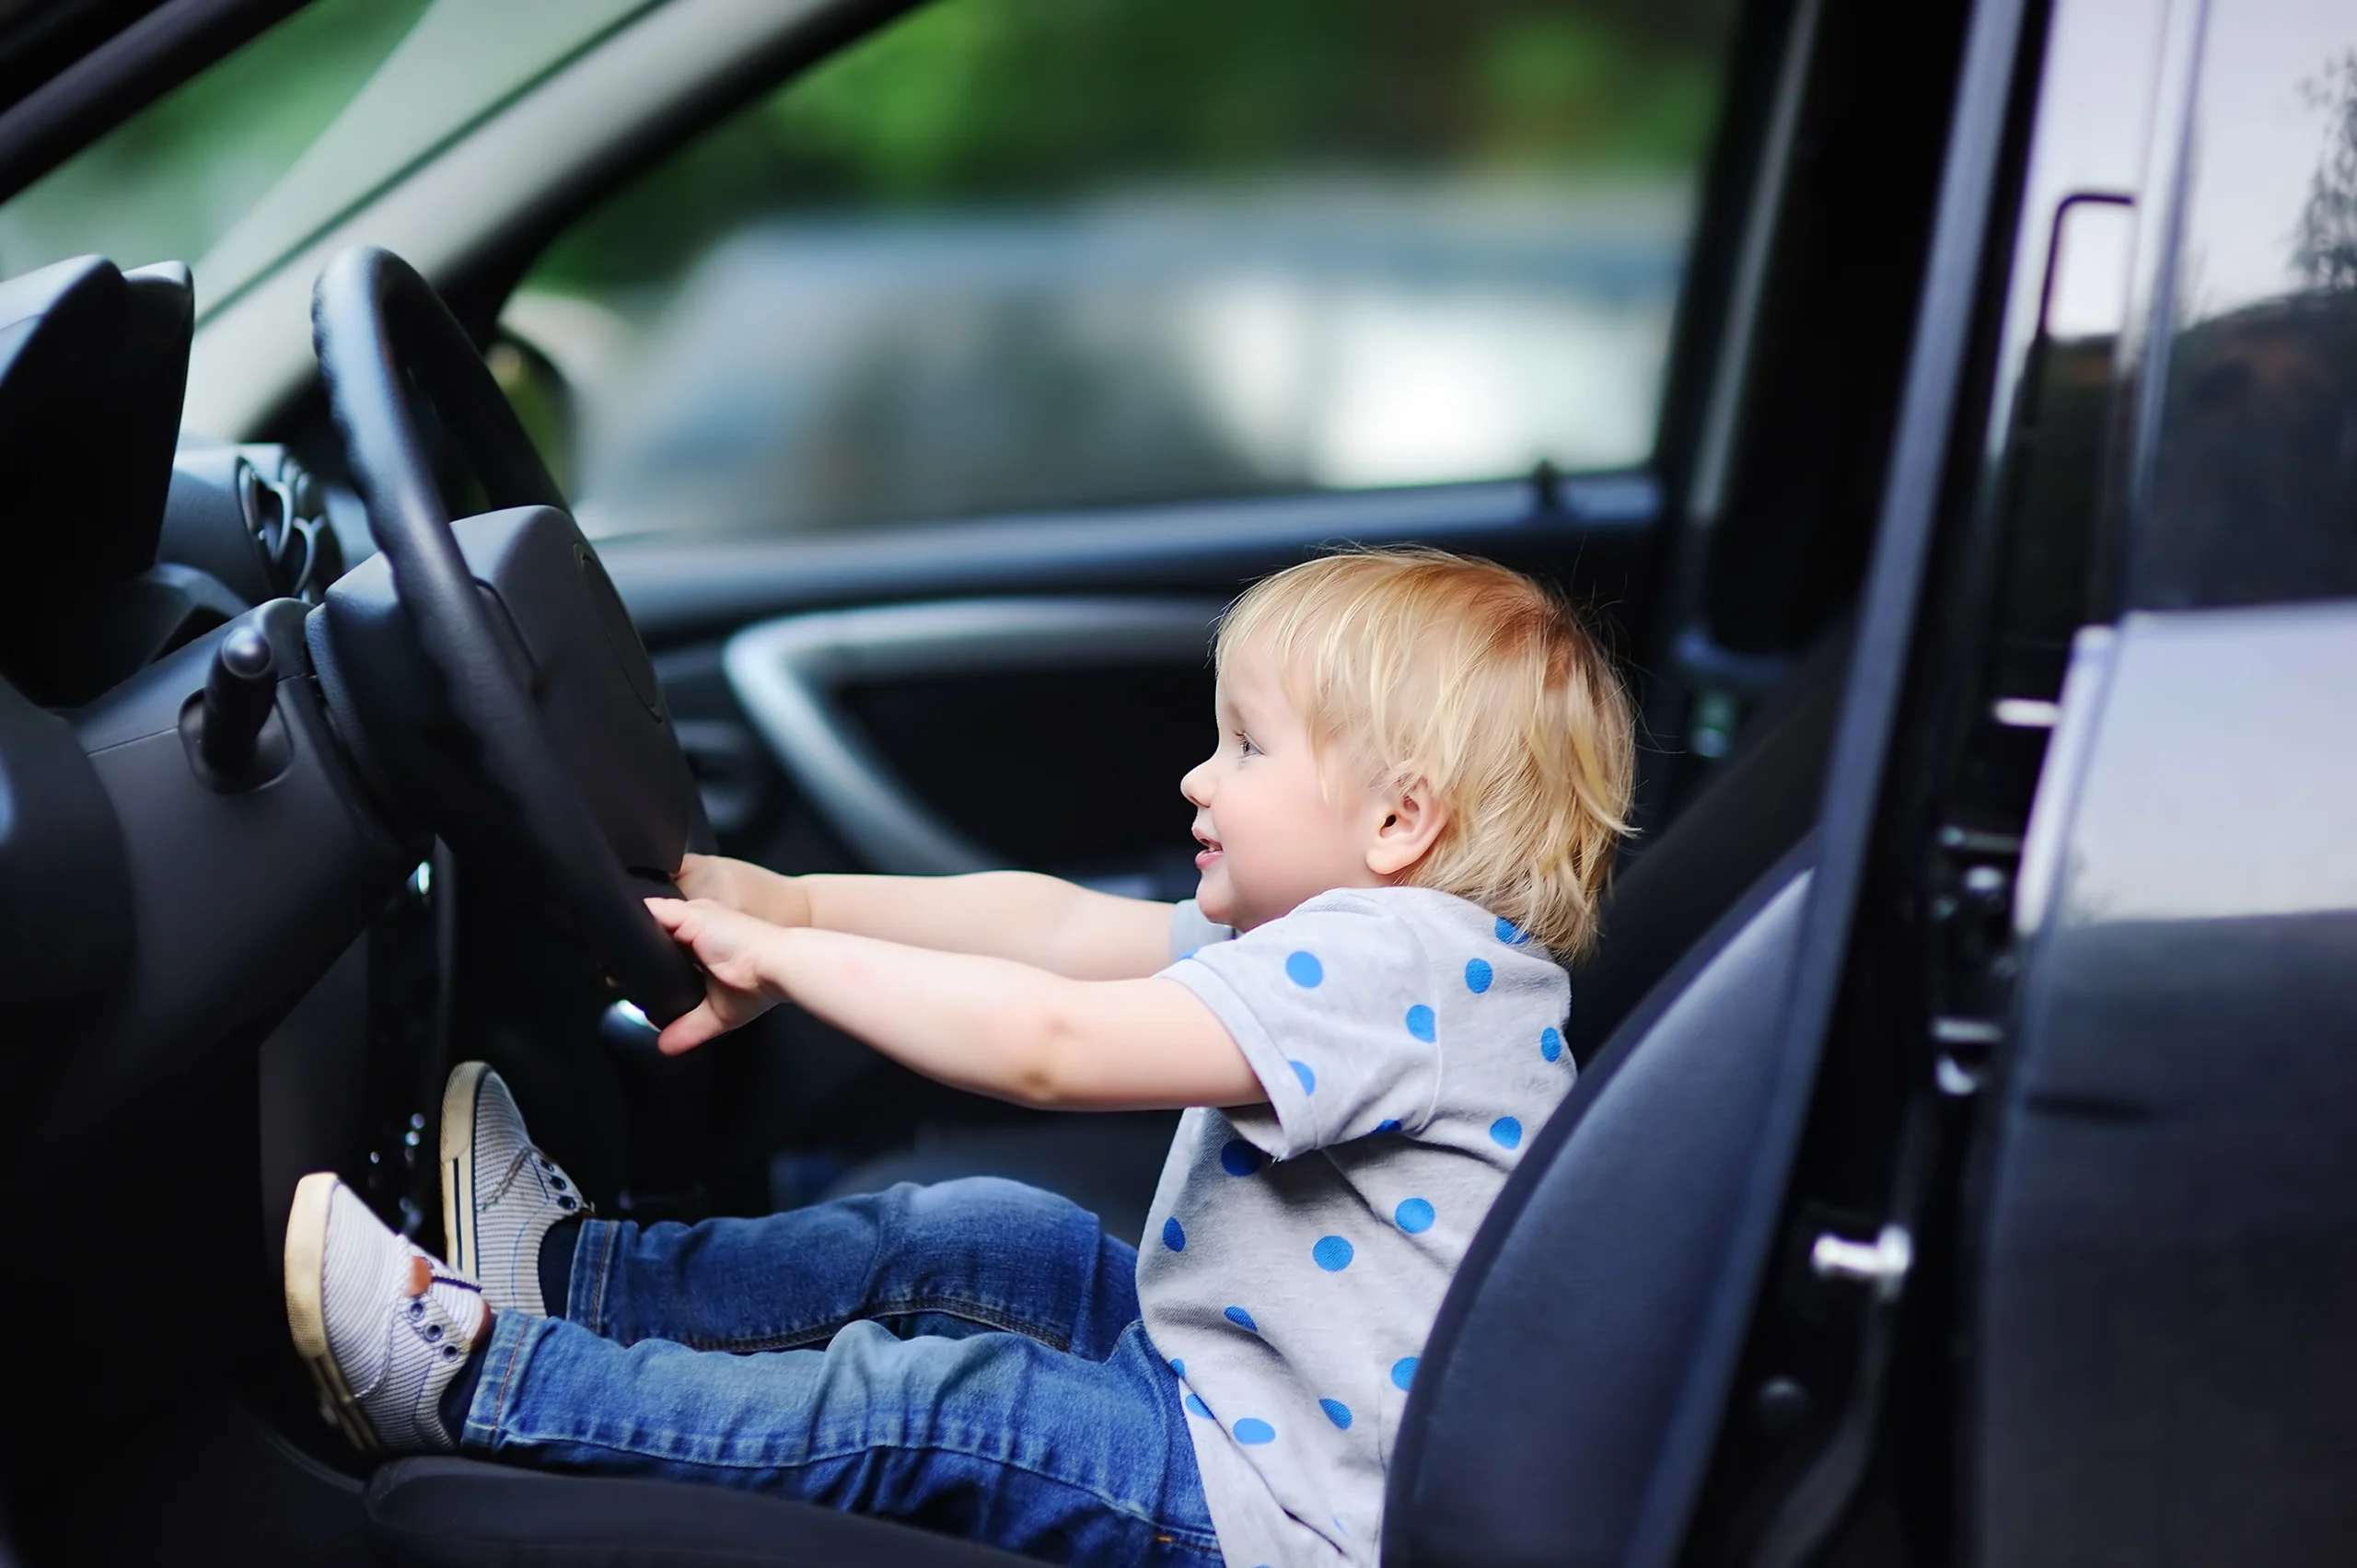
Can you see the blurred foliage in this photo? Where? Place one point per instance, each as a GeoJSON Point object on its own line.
{"type": "Point", "coordinates": [2324, 248]}
{"type": "Point", "coordinates": [169, 182]}
{"type": "Point", "coordinates": [969, 102]}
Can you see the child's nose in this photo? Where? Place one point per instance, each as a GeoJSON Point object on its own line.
{"type": "Point", "coordinates": [1195, 784]}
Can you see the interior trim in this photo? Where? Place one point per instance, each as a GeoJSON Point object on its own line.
{"type": "Point", "coordinates": [2040, 869]}
{"type": "Point", "coordinates": [686, 586]}
{"type": "Point", "coordinates": [786, 673]}
{"type": "Point", "coordinates": [1733, 373]}
{"type": "Point", "coordinates": [1938, 391]}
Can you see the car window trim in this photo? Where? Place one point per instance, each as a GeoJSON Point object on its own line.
{"type": "Point", "coordinates": [679, 589]}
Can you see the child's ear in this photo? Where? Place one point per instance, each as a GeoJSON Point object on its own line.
{"type": "Point", "coordinates": [1407, 823]}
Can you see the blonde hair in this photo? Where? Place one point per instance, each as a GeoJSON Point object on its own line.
{"type": "Point", "coordinates": [1417, 664]}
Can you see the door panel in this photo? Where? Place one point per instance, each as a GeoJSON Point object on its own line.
{"type": "Point", "coordinates": [959, 736]}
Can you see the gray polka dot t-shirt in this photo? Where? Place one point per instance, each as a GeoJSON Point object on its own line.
{"type": "Point", "coordinates": [1410, 1042]}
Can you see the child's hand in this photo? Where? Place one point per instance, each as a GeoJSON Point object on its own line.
{"type": "Point", "coordinates": [741, 885]}
{"type": "Point", "coordinates": [728, 944]}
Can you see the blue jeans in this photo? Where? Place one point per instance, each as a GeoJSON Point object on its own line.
{"type": "Point", "coordinates": [966, 1357]}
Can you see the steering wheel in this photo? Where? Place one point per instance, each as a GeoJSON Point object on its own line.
{"type": "Point", "coordinates": [471, 659]}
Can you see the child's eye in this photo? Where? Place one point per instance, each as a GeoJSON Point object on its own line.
{"type": "Point", "coordinates": [1244, 746]}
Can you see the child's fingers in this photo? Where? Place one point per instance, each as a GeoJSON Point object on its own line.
{"type": "Point", "coordinates": [667, 912]}
{"type": "Point", "coordinates": [690, 1029]}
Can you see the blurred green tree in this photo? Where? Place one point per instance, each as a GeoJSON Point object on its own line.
{"type": "Point", "coordinates": [982, 102]}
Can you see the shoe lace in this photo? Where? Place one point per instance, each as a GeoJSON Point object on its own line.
{"type": "Point", "coordinates": [523, 1157]}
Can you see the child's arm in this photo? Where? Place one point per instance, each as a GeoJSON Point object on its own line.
{"type": "Point", "coordinates": [1034, 920]}
{"type": "Point", "coordinates": [979, 1023]}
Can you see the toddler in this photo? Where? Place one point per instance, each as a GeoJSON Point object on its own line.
{"type": "Point", "coordinates": [1421, 771]}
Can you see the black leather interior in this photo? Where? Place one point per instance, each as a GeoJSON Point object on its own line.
{"type": "Point", "coordinates": [467, 1513]}
{"type": "Point", "coordinates": [1107, 1164]}
{"type": "Point", "coordinates": [1754, 809]}
{"type": "Point", "coordinates": [1536, 1425]}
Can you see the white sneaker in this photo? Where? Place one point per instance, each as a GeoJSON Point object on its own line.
{"type": "Point", "coordinates": [383, 1327]}
{"type": "Point", "coordinates": [500, 1195]}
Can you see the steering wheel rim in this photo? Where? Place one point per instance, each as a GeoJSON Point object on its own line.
{"type": "Point", "coordinates": [379, 329]}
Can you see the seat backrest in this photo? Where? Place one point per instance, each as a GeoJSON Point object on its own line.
{"type": "Point", "coordinates": [1537, 1424]}
{"type": "Point", "coordinates": [1759, 805]}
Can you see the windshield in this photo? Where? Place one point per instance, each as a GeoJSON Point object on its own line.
{"type": "Point", "coordinates": [169, 182]}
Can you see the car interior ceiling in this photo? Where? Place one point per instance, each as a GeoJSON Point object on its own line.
{"type": "Point", "coordinates": [1749, 616]}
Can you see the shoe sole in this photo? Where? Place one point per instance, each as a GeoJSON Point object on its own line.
{"type": "Point", "coordinates": [307, 1318]}
{"type": "Point", "coordinates": [459, 1096]}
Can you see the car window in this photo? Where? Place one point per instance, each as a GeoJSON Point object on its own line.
{"type": "Point", "coordinates": [2250, 493]}
{"type": "Point", "coordinates": [1010, 255]}
{"type": "Point", "coordinates": [177, 176]}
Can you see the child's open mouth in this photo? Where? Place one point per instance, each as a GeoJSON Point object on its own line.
{"type": "Point", "coordinates": [1210, 852]}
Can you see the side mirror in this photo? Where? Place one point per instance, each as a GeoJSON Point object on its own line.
{"type": "Point", "coordinates": [543, 400]}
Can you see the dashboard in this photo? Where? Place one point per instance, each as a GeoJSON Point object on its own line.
{"type": "Point", "coordinates": [149, 868]}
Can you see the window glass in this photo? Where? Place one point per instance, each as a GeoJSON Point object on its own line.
{"type": "Point", "coordinates": [174, 177]}
{"type": "Point", "coordinates": [2252, 491]}
{"type": "Point", "coordinates": [1020, 254]}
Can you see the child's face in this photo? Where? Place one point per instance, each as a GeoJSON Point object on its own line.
{"type": "Point", "coordinates": [1270, 837]}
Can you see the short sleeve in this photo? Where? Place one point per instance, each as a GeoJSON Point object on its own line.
{"type": "Point", "coordinates": [1327, 1005]}
{"type": "Point", "coordinates": [1190, 930]}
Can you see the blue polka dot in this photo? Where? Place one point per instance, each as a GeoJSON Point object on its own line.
{"type": "Point", "coordinates": [1415, 1216]}
{"type": "Point", "coordinates": [1253, 1430]}
{"type": "Point", "coordinates": [1333, 1254]}
{"type": "Point", "coordinates": [1419, 1023]}
{"type": "Point", "coordinates": [1189, 954]}
{"type": "Point", "coordinates": [1336, 1411]}
{"type": "Point", "coordinates": [1241, 1319]}
{"type": "Point", "coordinates": [1477, 975]}
{"type": "Point", "coordinates": [1175, 1238]}
{"type": "Point", "coordinates": [1304, 970]}
{"type": "Point", "coordinates": [1403, 1371]}
{"type": "Point", "coordinates": [1550, 1044]}
{"type": "Point", "coordinates": [1238, 1158]}
{"type": "Point", "coordinates": [1510, 934]}
{"type": "Point", "coordinates": [1197, 1407]}
{"type": "Point", "coordinates": [1179, 1366]}
{"type": "Point", "coordinates": [1308, 1079]}
{"type": "Point", "coordinates": [1506, 1132]}
{"type": "Point", "coordinates": [1388, 1124]}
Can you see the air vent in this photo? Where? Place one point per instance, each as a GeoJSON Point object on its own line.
{"type": "Point", "coordinates": [285, 513]}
